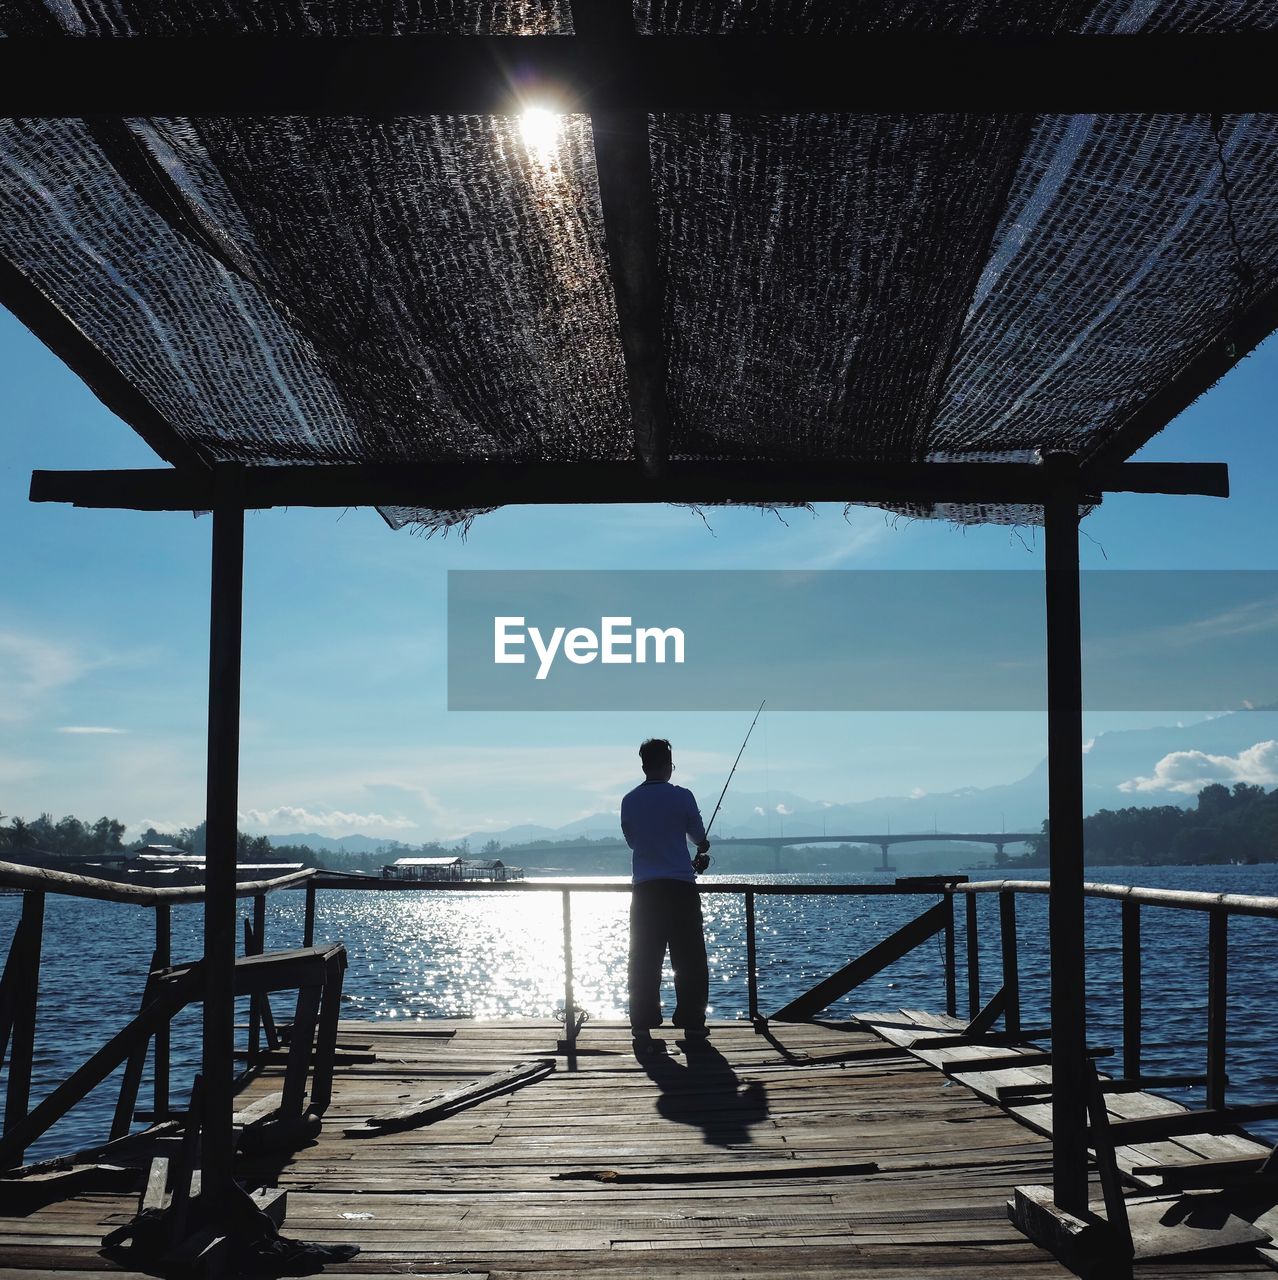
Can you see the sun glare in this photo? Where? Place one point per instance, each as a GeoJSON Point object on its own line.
{"type": "Point", "coordinates": [541, 128]}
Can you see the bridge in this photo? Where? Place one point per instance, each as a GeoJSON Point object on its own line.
{"type": "Point", "coordinates": [998, 839]}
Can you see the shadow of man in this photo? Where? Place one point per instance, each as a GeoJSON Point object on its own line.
{"type": "Point", "coordinates": [703, 1090]}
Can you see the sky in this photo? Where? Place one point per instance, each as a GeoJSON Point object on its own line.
{"type": "Point", "coordinates": [345, 726]}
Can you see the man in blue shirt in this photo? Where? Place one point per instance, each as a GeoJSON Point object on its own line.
{"type": "Point", "coordinates": [657, 820]}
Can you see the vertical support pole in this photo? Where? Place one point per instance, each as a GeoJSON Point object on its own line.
{"type": "Point", "coordinates": [570, 1013]}
{"type": "Point", "coordinates": [163, 958]}
{"type": "Point", "coordinates": [1217, 992]}
{"type": "Point", "coordinates": [1011, 962]}
{"type": "Point", "coordinates": [1132, 995]}
{"type": "Point", "coordinates": [254, 944]}
{"type": "Point", "coordinates": [752, 969]}
{"type": "Point", "coordinates": [26, 991]}
{"type": "Point", "coordinates": [226, 611]}
{"type": "Point", "coordinates": [972, 930]}
{"type": "Point", "coordinates": [1065, 815]}
{"type": "Point", "coordinates": [308, 927]}
{"type": "Point", "coordinates": [951, 960]}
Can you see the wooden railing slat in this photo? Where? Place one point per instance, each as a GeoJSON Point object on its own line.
{"type": "Point", "coordinates": [15, 875]}
{"type": "Point", "coordinates": [857, 971]}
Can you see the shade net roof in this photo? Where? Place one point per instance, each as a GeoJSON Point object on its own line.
{"type": "Point", "coordinates": [835, 287]}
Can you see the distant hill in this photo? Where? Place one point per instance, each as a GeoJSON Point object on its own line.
{"type": "Point", "coordinates": [1114, 758]}
{"type": "Point", "coordinates": [343, 844]}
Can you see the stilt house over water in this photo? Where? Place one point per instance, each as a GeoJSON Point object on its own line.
{"type": "Point", "coordinates": [958, 259]}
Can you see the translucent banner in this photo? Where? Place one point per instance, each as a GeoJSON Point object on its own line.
{"type": "Point", "coordinates": [852, 640]}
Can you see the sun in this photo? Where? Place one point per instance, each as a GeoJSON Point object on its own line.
{"type": "Point", "coordinates": [541, 129]}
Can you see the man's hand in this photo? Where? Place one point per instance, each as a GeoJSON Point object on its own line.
{"type": "Point", "coordinates": [702, 860]}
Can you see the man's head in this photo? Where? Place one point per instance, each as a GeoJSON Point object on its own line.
{"type": "Point", "coordinates": [655, 757]}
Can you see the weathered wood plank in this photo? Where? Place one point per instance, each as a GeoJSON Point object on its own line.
{"type": "Point", "coordinates": [429, 1109]}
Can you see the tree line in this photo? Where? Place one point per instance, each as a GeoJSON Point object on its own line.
{"type": "Point", "coordinates": [72, 838]}
{"type": "Point", "coordinates": [1238, 825]}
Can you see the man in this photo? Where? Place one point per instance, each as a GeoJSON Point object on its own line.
{"type": "Point", "coordinates": [657, 820]}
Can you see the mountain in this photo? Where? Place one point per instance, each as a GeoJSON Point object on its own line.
{"type": "Point", "coordinates": [1112, 759]}
{"type": "Point", "coordinates": [344, 844]}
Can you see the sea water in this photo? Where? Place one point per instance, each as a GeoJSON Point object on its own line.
{"type": "Point", "coordinates": [499, 955]}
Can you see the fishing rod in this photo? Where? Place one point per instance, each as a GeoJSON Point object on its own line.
{"type": "Point", "coordinates": [736, 762]}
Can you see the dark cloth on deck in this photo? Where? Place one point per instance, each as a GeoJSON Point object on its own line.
{"type": "Point", "coordinates": [667, 913]}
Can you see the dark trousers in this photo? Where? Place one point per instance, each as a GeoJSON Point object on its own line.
{"type": "Point", "coordinates": [667, 913]}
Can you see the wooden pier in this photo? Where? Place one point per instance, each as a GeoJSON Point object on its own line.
{"type": "Point", "coordinates": [816, 1150]}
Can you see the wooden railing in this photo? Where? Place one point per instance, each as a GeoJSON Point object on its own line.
{"type": "Point", "coordinates": [20, 983]}
{"type": "Point", "coordinates": [982, 1015]}
{"type": "Point", "coordinates": [20, 987]}
{"type": "Point", "coordinates": [1218, 907]}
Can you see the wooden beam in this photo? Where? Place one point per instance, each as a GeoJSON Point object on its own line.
{"type": "Point", "coordinates": [453, 485]}
{"type": "Point", "coordinates": [623, 164]}
{"type": "Point", "coordinates": [1065, 815]}
{"type": "Point", "coordinates": [1196, 378]}
{"type": "Point", "coordinates": [864, 967]}
{"type": "Point", "coordinates": [15, 875]}
{"type": "Point", "coordinates": [225, 609]}
{"type": "Point", "coordinates": [71, 345]}
{"type": "Point", "coordinates": [448, 1103]}
{"type": "Point", "coordinates": [1176, 1123]}
{"type": "Point", "coordinates": [20, 1018]}
{"type": "Point", "coordinates": [450, 75]}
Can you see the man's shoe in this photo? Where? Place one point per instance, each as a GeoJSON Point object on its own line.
{"type": "Point", "coordinates": [644, 1045]}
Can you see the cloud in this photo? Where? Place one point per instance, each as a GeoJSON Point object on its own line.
{"type": "Point", "coordinates": [32, 667]}
{"type": "Point", "coordinates": [759, 809]}
{"type": "Point", "coordinates": [287, 819]}
{"type": "Point", "coordinates": [917, 793]}
{"type": "Point", "coordinates": [784, 810]}
{"type": "Point", "coordinates": [89, 728]}
{"type": "Point", "coordinates": [1187, 772]}
{"type": "Point", "coordinates": [165, 825]}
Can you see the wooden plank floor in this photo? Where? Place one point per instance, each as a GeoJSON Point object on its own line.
{"type": "Point", "coordinates": [807, 1153]}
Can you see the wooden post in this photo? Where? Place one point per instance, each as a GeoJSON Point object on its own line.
{"type": "Point", "coordinates": [1132, 994]}
{"type": "Point", "coordinates": [326, 1038]}
{"type": "Point", "coordinates": [308, 927]}
{"type": "Point", "coordinates": [301, 1046]}
{"type": "Point", "coordinates": [1065, 814]}
{"type": "Point", "coordinates": [570, 1016]}
{"type": "Point", "coordinates": [226, 609]}
{"type": "Point", "coordinates": [255, 938]}
{"type": "Point", "coordinates": [254, 1022]}
{"type": "Point", "coordinates": [752, 973]}
{"type": "Point", "coordinates": [132, 1080]}
{"type": "Point", "coordinates": [1011, 965]}
{"type": "Point", "coordinates": [160, 1045]}
{"type": "Point", "coordinates": [973, 958]}
{"type": "Point", "coordinates": [951, 961]}
{"type": "Point", "coordinates": [25, 993]}
{"type": "Point", "coordinates": [1217, 991]}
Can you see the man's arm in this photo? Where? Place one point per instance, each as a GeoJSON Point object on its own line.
{"type": "Point", "coordinates": [695, 828]}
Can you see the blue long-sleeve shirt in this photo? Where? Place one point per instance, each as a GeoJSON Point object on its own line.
{"type": "Point", "coordinates": [657, 819]}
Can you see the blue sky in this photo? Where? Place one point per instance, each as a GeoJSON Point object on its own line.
{"type": "Point", "coordinates": [104, 624]}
